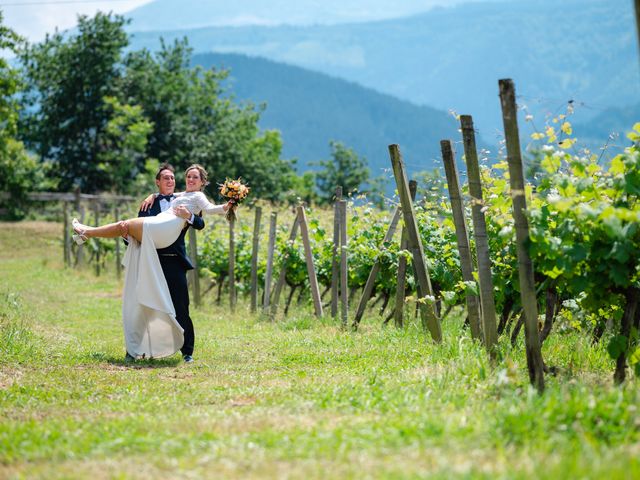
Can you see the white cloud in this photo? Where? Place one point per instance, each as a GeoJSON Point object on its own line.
{"type": "Point", "coordinates": [34, 18]}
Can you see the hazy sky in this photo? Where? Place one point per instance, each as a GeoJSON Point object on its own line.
{"type": "Point", "coordinates": [34, 18]}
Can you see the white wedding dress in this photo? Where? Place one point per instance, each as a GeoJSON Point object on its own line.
{"type": "Point", "coordinates": [148, 316]}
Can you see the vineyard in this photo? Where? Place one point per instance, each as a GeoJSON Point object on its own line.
{"type": "Point", "coordinates": [479, 323]}
{"type": "Point", "coordinates": [582, 240]}
{"type": "Point", "coordinates": [355, 313]}
{"type": "Point", "coordinates": [584, 244]}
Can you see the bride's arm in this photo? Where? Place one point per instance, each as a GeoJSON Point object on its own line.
{"type": "Point", "coordinates": [206, 206]}
{"type": "Point", "coordinates": [147, 202]}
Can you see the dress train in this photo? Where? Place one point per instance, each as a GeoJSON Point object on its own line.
{"type": "Point", "coordinates": [148, 316]}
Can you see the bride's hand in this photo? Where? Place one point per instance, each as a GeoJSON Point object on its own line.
{"type": "Point", "coordinates": [230, 204]}
{"type": "Point", "coordinates": [147, 202]}
{"type": "Point", "coordinates": [182, 212]}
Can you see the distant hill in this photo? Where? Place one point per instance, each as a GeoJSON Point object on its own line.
{"type": "Point", "coordinates": [452, 58]}
{"type": "Point", "coordinates": [310, 109]}
{"type": "Point", "coordinates": [163, 14]}
{"type": "Point", "coordinates": [609, 128]}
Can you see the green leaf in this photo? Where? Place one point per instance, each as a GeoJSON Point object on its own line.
{"type": "Point", "coordinates": [634, 358]}
{"type": "Point", "coordinates": [617, 346]}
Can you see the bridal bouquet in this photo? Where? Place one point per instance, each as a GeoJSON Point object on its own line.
{"type": "Point", "coordinates": [235, 191]}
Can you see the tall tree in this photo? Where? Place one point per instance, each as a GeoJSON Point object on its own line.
{"type": "Point", "coordinates": [197, 121]}
{"type": "Point", "coordinates": [344, 169]}
{"type": "Point", "coordinates": [123, 156]}
{"type": "Point", "coordinates": [9, 85]}
{"type": "Point", "coordinates": [68, 79]}
{"type": "Point", "coordinates": [20, 172]}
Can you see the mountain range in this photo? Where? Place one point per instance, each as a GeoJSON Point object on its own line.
{"type": "Point", "coordinates": [311, 109]}
{"type": "Point", "coordinates": [163, 14]}
{"type": "Point", "coordinates": [451, 58]}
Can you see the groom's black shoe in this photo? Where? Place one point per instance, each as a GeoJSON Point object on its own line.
{"type": "Point", "coordinates": [128, 358]}
{"type": "Point", "coordinates": [188, 359]}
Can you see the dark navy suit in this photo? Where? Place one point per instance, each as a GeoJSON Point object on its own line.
{"type": "Point", "coordinates": [175, 264]}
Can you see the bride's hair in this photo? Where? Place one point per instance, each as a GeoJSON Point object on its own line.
{"type": "Point", "coordinates": [201, 170]}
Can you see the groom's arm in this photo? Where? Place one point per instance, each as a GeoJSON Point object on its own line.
{"type": "Point", "coordinates": [198, 222]}
{"type": "Point", "coordinates": [145, 213]}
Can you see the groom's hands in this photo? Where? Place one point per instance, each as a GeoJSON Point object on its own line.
{"type": "Point", "coordinates": [182, 212]}
{"type": "Point", "coordinates": [147, 202]}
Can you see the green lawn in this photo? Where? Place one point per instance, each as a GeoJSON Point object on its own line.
{"type": "Point", "coordinates": [298, 398]}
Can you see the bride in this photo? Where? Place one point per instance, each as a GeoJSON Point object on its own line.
{"type": "Point", "coordinates": [148, 315]}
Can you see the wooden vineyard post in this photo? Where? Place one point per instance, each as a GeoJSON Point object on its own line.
{"type": "Point", "coordinates": [254, 260]}
{"type": "Point", "coordinates": [335, 263]}
{"type": "Point", "coordinates": [485, 279]}
{"type": "Point", "coordinates": [269, 271]}
{"type": "Point", "coordinates": [525, 266]}
{"type": "Point", "coordinates": [66, 237]}
{"type": "Point", "coordinates": [80, 250]}
{"type": "Point", "coordinates": [401, 283]}
{"type": "Point", "coordinates": [116, 214]}
{"type": "Point", "coordinates": [344, 287]}
{"type": "Point", "coordinates": [283, 271]}
{"type": "Point", "coordinates": [429, 318]}
{"type": "Point", "coordinates": [194, 274]}
{"type": "Point", "coordinates": [308, 254]}
{"type": "Point", "coordinates": [96, 215]}
{"type": "Point", "coordinates": [232, 266]}
{"type": "Point", "coordinates": [371, 280]}
{"type": "Point", "coordinates": [459, 220]}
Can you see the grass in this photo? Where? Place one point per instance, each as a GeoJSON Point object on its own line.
{"type": "Point", "coordinates": [297, 398]}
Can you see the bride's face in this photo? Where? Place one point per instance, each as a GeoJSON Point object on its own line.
{"type": "Point", "coordinates": [194, 182]}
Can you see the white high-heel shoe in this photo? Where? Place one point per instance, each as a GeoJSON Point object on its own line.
{"type": "Point", "coordinates": [80, 236]}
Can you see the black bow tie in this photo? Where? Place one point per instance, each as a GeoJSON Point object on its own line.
{"type": "Point", "coordinates": [165, 197]}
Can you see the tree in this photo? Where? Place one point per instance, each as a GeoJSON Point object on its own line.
{"type": "Point", "coordinates": [20, 172]}
{"type": "Point", "coordinates": [66, 115]}
{"type": "Point", "coordinates": [9, 85]}
{"type": "Point", "coordinates": [197, 121]}
{"type": "Point", "coordinates": [99, 117]}
{"type": "Point", "coordinates": [345, 169]}
{"type": "Point", "coordinates": [125, 141]}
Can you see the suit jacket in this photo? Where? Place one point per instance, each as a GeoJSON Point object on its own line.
{"type": "Point", "coordinates": [177, 247]}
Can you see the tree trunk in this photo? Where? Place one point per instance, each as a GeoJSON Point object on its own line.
{"type": "Point", "coordinates": [299, 301]}
{"type": "Point", "coordinates": [389, 317]}
{"type": "Point", "coordinates": [446, 312]}
{"type": "Point", "coordinates": [385, 296]}
{"type": "Point", "coordinates": [219, 299]}
{"type": "Point", "coordinates": [598, 331]}
{"type": "Point", "coordinates": [516, 329]}
{"type": "Point", "coordinates": [289, 298]}
{"type": "Point", "coordinates": [631, 302]}
{"type": "Point", "coordinates": [550, 312]}
{"type": "Point", "coordinates": [324, 293]}
{"type": "Point", "coordinates": [505, 315]}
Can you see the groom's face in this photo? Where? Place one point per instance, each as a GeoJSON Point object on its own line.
{"type": "Point", "coordinates": [166, 183]}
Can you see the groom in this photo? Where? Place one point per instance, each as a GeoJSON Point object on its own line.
{"type": "Point", "coordinates": [173, 259]}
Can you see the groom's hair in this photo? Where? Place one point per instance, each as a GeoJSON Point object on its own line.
{"type": "Point", "coordinates": [165, 166]}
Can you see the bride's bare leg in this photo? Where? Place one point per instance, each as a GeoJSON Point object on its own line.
{"type": "Point", "coordinates": [113, 230]}
{"type": "Point", "coordinates": [135, 228]}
